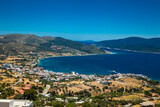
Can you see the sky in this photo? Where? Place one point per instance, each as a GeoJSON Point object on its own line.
{"type": "Point", "coordinates": [81, 19]}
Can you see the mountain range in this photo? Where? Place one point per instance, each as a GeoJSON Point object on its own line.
{"type": "Point", "coordinates": [22, 43]}
{"type": "Point", "coordinates": [133, 43]}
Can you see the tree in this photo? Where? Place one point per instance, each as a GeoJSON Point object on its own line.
{"type": "Point", "coordinates": [37, 104]}
{"type": "Point", "coordinates": [69, 94]}
{"type": "Point", "coordinates": [71, 105]}
{"type": "Point", "coordinates": [66, 89]}
{"type": "Point", "coordinates": [1, 88]}
{"type": "Point", "coordinates": [18, 96]}
{"type": "Point", "coordinates": [6, 93]}
{"type": "Point", "coordinates": [147, 93]}
{"type": "Point", "coordinates": [30, 94]}
{"type": "Point", "coordinates": [86, 104]}
{"type": "Point", "coordinates": [58, 104]}
{"type": "Point", "coordinates": [53, 93]}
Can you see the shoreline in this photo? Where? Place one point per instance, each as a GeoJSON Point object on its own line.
{"type": "Point", "coordinates": [94, 55]}
{"type": "Point", "coordinates": [150, 78]}
{"type": "Point", "coordinates": [111, 53]}
{"type": "Point", "coordinates": [131, 50]}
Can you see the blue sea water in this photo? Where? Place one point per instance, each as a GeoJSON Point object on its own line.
{"type": "Point", "coordinates": [122, 62]}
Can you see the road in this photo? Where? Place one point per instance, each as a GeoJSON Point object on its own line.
{"type": "Point", "coordinates": [14, 84]}
{"type": "Point", "coordinates": [46, 90]}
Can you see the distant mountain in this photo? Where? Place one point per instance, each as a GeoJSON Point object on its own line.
{"type": "Point", "coordinates": [17, 43]}
{"type": "Point", "coordinates": [88, 42]}
{"type": "Point", "coordinates": [133, 43]}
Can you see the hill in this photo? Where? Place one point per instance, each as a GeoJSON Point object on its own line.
{"type": "Point", "coordinates": [19, 43]}
{"type": "Point", "coordinates": [133, 43]}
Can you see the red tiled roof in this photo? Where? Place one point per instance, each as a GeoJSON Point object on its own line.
{"type": "Point", "coordinates": [29, 85]}
{"type": "Point", "coordinates": [40, 86]}
{"type": "Point", "coordinates": [55, 82]}
{"type": "Point", "coordinates": [22, 70]}
{"type": "Point", "coordinates": [26, 88]}
{"type": "Point", "coordinates": [155, 95]}
{"type": "Point", "coordinates": [66, 73]}
{"type": "Point", "coordinates": [21, 92]}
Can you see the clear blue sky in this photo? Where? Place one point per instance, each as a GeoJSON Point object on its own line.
{"type": "Point", "coordinates": [81, 19]}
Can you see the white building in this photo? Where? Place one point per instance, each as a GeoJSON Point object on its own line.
{"type": "Point", "coordinates": [79, 102]}
{"type": "Point", "coordinates": [36, 80]}
{"type": "Point", "coordinates": [73, 73]}
{"type": "Point", "coordinates": [147, 104]}
{"type": "Point", "coordinates": [15, 103]}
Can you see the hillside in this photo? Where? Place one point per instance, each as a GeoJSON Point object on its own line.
{"type": "Point", "coordinates": [19, 43]}
{"type": "Point", "coordinates": [133, 43]}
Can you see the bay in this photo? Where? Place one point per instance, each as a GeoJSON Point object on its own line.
{"type": "Point", "coordinates": [121, 61]}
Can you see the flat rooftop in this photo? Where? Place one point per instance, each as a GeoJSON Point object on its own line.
{"type": "Point", "coordinates": [18, 102]}
{"type": "Point", "coordinates": [5, 100]}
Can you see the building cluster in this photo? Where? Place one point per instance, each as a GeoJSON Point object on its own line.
{"type": "Point", "coordinates": [59, 48]}
{"type": "Point", "coordinates": [56, 77]}
{"type": "Point", "coordinates": [74, 98]}
{"type": "Point", "coordinates": [27, 87]}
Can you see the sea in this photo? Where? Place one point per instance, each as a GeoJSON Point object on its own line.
{"type": "Point", "coordinates": [121, 61]}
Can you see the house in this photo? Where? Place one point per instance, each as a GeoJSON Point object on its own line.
{"type": "Point", "coordinates": [53, 79]}
{"type": "Point", "coordinates": [46, 95]}
{"type": "Point", "coordinates": [29, 85]}
{"type": "Point", "coordinates": [73, 73]}
{"type": "Point", "coordinates": [147, 104]}
{"type": "Point", "coordinates": [22, 103]}
{"type": "Point", "coordinates": [15, 103]}
{"type": "Point", "coordinates": [6, 103]}
{"type": "Point", "coordinates": [7, 65]}
{"type": "Point", "coordinates": [65, 73]}
{"type": "Point", "coordinates": [109, 78]}
{"type": "Point", "coordinates": [40, 69]}
{"type": "Point", "coordinates": [128, 105]}
{"type": "Point", "coordinates": [26, 88]}
{"type": "Point", "coordinates": [59, 99]}
{"type": "Point", "coordinates": [21, 91]}
{"type": "Point", "coordinates": [36, 80]}
{"type": "Point", "coordinates": [155, 95]}
{"type": "Point", "coordinates": [79, 102]}
{"type": "Point", "coordinates": [120, 75]}
{"type": "Point", "coordinates": [55, 83]}
{"type": "Point", "coordinates": [104, 82]}
{"type": "Point", "coordinates": [72, 98]}
{"type": "Point", "coordinates": [40, 85]}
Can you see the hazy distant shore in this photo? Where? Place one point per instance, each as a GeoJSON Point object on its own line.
{"type": "Point", "coordinates": [78, 55]}
{"type": "Point", "coordinates": [131, 50]}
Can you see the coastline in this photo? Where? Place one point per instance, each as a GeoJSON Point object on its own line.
{"type": "Point", "coordinates": [109, 53]}
{"type": "Point", "coordinates": [150, 78]}
{"type": "Point", "coordinates": [131, 50]}
{"type": "Point", "coordinates": [103, 54]}
{"type": "Point", "coordinates": [94, 55]}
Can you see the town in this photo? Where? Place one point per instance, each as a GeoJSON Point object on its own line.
{"type": "Point", "coordinates": [25, 84]}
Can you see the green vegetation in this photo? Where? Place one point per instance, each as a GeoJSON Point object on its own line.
{"type": "Point", "coordinates": [16, 43]}
{"type": "Point", "coordinates": [30, 94]}
{"type": "Point", "coordinates": [147, 93]}
{"type": "Point", "coordinates": [6, 92]}
{"type": "Point", "coordinates": [90, 92]}
{"type": "Point", "coordinates": [133, 43]}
